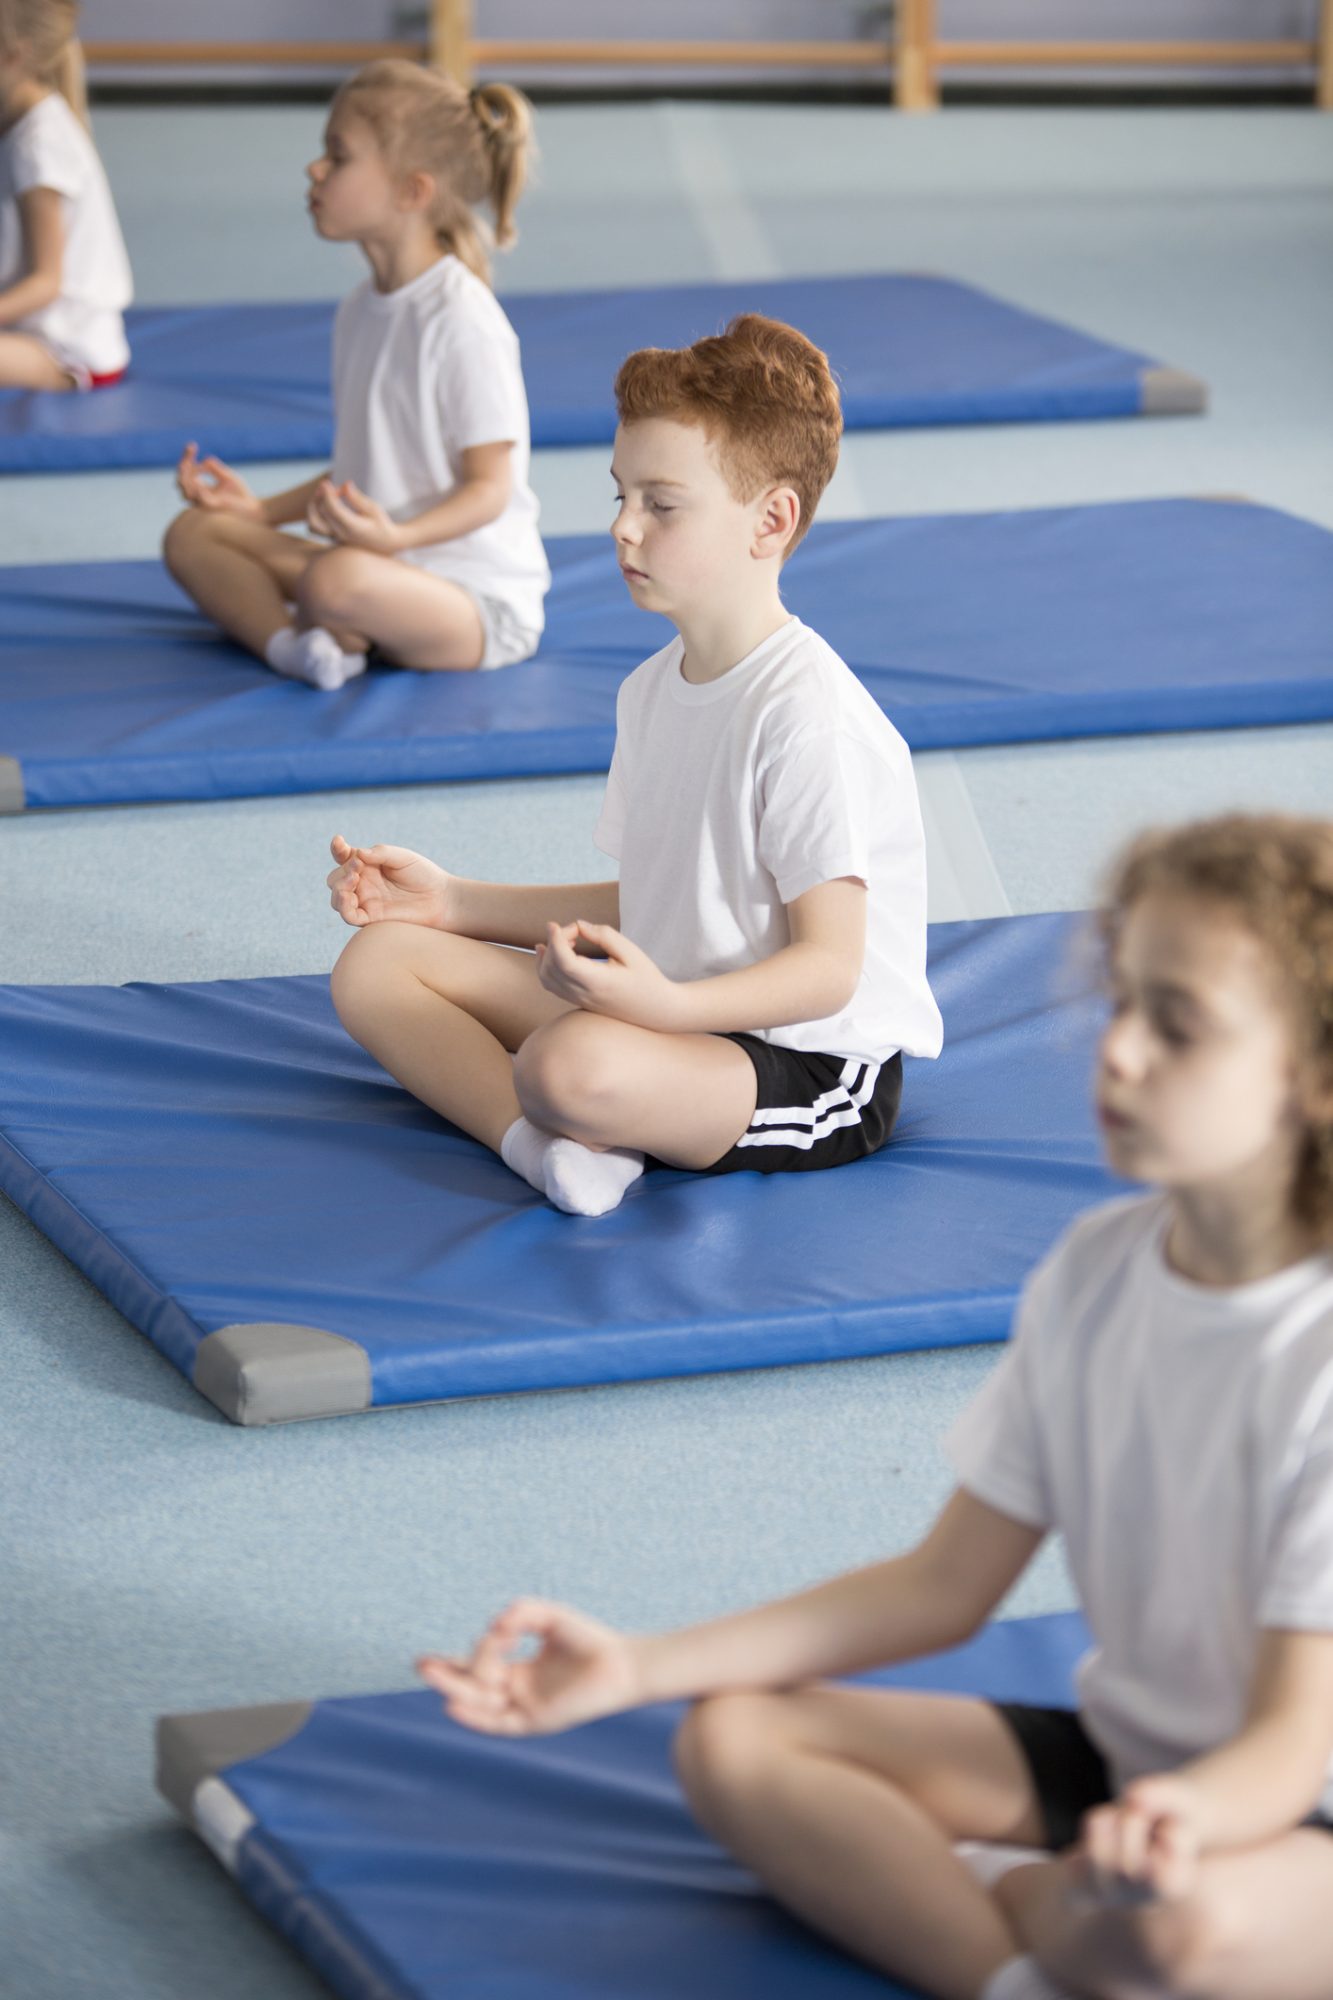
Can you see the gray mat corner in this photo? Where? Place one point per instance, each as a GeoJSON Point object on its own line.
{"type": "Point", "coordinates": [12, 795]}
{"type": "Point", "coordinates": [1170, 392]}
{"type": "Point", "coordinates": [191, 1748]}
{"type": "Point", "coordinates": [271, 1373]}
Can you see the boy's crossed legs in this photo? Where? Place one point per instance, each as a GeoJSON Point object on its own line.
{"type": "Point", "coordinates": [847, 1802]}
{"type": "Point", "coordinates": [469, 1029]}
{"type": "Point", "coordinates": [249, 578]}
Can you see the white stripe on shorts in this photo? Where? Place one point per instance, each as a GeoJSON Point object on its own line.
{"type": "Point", "coordinates": [832, 1110]}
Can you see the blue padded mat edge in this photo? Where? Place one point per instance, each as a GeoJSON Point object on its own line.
{"type": "Point", "coordinates": [967, 629]}
{"type": "Point", "coordinates": [177, 1143]}
{"type": "Point", "coordinates": [409, 1860]}
{"type": "Point", "coordinates": [251, 381]}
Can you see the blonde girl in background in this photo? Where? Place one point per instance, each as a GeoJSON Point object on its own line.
{"type": "Point", "coordinates": [1167, 1404]}
{"type": "Point", "coordinates": [64, 275]}
{"type": "Point", "coordinates": [427, 552]}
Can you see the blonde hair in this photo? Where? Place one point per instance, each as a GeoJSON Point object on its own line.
{"type": "Point", "coordinates": [476, 144]}
{"type": "Point", "coordinates": [48, 30]}
{"type": "Point", "coordinates": [1272, 873]}
{"type": "Point", "coordinates": [761, 392]}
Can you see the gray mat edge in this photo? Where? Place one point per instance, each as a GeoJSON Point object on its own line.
{"type": "Point", "coordinates": [269, 1372]}
{"type": "Point", "coordinates": [1171, 392]}
{"type": "Point", "coordinates": [12, 795]}
{"type": "Point", "coordinates": [191, 1748]}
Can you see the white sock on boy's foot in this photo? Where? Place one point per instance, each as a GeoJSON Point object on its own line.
{"type": "Point", "coordinates": [1023, 1979]}
{"type": "Point", "coordinates": [572, 1177]}
{"type": "Point", "coordinates": [586, 1183]}
{"type": "Point", "coordinates": [313, 656]}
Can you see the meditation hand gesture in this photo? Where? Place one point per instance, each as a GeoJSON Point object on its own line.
{"type": "Point", "coordinates": [580, 1670]}
{"type": "Point", "coordinates": [210, 484]}
{"type": "Point", "coordinates": [373, 884]}
{"type": "Point", "coordinates": [597, 968]}
{"type": "Point", "coordinates": [347, 515]}
{"type": "Point", "coordinates": [1146, 1843]}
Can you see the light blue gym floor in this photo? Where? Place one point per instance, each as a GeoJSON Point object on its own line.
{"type": "Point", "coordinates": [157, 1559]}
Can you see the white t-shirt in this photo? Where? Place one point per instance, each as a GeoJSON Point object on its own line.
{"type": "Point", "coordinates": [730, 798]}
{"type": "Point", "coordinates": [1181, 1438]}
{"type": "Point", "coordinates": [420, 375]}
{"type": "Point", "coordinates": [83, 327]}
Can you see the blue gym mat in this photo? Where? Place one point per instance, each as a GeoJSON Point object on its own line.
{"type": "Point", "coordinates": [407, 1859]}
{"type": "Point", "coordinates": [967, 629]}
{"type": "Point", "coordinates": [252, 381]}
{"type": "Point", "coordinates": [183, 1144]}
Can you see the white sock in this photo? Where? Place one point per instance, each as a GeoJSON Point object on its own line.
{"type": "Point", "coordinates": [586, 1183]}
{"type": "Point", "coordinates": [572, 1177]}
{"type": "Point", "coordinates": [1022, 1979]}
{"type": "Point", "coordinates": [523, 1150]}
{"type": "Point", "coordinates": [313, 656]}
{"type": "Point", "coordinates": [991, 1860]}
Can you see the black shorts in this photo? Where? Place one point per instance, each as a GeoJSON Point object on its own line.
{"type": "Point", "coordinates": [812, 1110]}
{"type": "Point", "coordinates": [1069, 1774]}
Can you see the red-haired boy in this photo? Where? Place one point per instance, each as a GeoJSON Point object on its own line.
{"type": "Point", "coordinates": [742, 996]}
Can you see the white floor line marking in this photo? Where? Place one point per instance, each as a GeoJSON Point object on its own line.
{"type": "Point", "coordinates": [963, 878]}
{"type": "Point", "coordinates": [738, 244]}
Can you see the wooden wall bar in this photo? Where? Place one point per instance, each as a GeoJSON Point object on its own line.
{"type": "Point", "coordinates": [917, 56]}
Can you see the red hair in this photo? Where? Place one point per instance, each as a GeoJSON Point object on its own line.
{"type": "Point", "coordinates": [761, 393]}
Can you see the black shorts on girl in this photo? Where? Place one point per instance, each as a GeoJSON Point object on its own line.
{"type": "Point", "coordinates": [812, 1110]}
{"type": "Point", "coordinates": [1068, 1772]}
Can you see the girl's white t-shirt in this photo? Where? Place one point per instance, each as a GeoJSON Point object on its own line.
{"type": "Point", "coordinates": [1181, 1439]}
{"type": "Point", "coordinates": [421, 375]}
{"type": "Point", "coordinates": [728, 799]}
{"type": "Point", "coordinates": [83, 327]}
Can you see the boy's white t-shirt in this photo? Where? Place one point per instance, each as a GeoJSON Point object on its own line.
{"type": "Point", "coordinates": [420, 375]}
{"type": "Point", "coordinates": [1181, 1439]}
{"type": "Point", "coordinates": [728, 799]}
{"type": "Point", "coordinates": [83, 327]}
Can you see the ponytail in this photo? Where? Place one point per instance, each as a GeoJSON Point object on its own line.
{"type": "Point", "coordinates": [71, 80]}
{"type": "Point", "coordinates": [505, 117]}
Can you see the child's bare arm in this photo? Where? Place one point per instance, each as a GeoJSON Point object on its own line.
{"type": "Point", "coordinates": [346, 515]}
{"type": "Point", "coordinates": [1251, 1789]}
{"type": "Point", "coordinates": [293, 504]}
{"type": "Point", "coordinates": [43, 229]}
{"type": "Point", "coordinates": [917, 1603]}
{"type": "Point", "coordinates": [813, 976]}
{"type": "Point", "coordinates": [371, 884]}
{"type": "Point", "coordinates": [216, 487]}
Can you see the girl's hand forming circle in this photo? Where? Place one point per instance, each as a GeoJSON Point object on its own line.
{"type": "Point", "coordinates": [581, 1669]}
{"type": "Point", "coordinates": [210, 484]}
{"type": "Point", "coordinates": [346, 515]}
{"type": "Point", "coordinates": [370, 885]}
{"type": "Point", "coordinates": [1146, 1843]}
{"type": "Point", "coordinates": [624, 983]}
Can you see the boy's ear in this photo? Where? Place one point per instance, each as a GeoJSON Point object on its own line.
{"type": "Point", "coordinates": [779, 518]}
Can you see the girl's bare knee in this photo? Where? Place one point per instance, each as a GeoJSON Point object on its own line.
{"type": "Point", "coordinates": [725, 1742]}
{"type": "Point", "coordinates": [185, 535]}
{"type": "Point", "coordinates": [566, 1074]}
{"type": "Point", "coordinates": [367, 963]}
{"type": "Point", "coordinates": [334, 585]}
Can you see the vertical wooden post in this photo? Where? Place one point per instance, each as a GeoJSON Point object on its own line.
{"type": "Point", "coordinates": [450, 41]}
{"type": "Point", "coordinates": [914, 85]}
{"type": "Point", "coordinates": [1323, 56]}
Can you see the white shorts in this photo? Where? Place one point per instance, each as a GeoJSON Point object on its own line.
{"type": "Point", "coordinates": [507, 639]}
